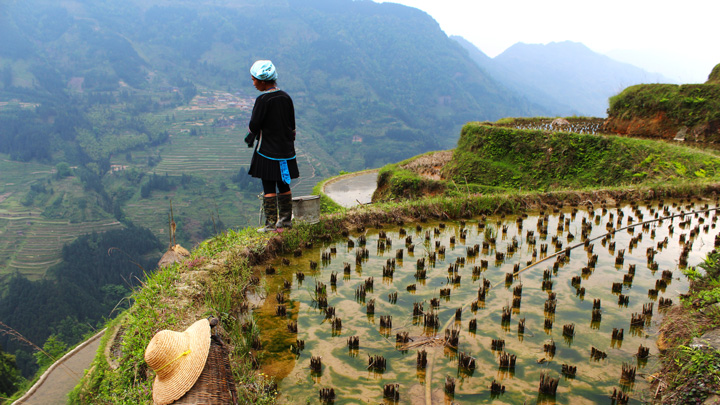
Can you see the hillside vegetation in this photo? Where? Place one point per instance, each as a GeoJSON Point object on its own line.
{"type": "Point", "coordinates": [490, 158]}
{"type": "Point", "coordinates": [116, 110]}
{"type": "Point", "coordinates": [382, 83]}
{"type": "Point", "coordinates": [689, 111]}
{"type": "Point", "coordinates": [714, 77]}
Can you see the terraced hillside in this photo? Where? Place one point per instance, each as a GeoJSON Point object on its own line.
{"type": "Point", "coordinates": [35, 224]}
{"type": "Point", "coordinates": [206, 147]}
{"type": "Point", "coordinates": [31, 245]}
{"type": "Point", "coordinates": [220, 155]}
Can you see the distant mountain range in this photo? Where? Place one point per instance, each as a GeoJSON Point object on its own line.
{"type": "Point", "coordinates": [566, 78]}
{"type": "Point", "coordinates": [374, 83]}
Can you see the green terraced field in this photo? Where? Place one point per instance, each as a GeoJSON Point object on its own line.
{"type": "Point", "coordinates": [16, 177]}
{"type": "Point", "coordinates": [30, 243]}
{"type": "Point", "coordinates": [218, 152]}
{"type": "Point", "coordinates": [215, 156]}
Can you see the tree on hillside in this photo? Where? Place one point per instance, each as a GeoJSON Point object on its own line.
{"type": "Point", "coordinates": [9, 374]}
{"type": "Point", "coordinates": [62, 170]}
{"type": "Point", "coordinates": [51, 352]}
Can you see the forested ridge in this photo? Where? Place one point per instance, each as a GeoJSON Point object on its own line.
{"type": "Point", "coordinates": [76, 298]}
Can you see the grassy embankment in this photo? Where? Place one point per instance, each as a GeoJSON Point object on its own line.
{"type": "Point", "coordinates": [211, 282]}
{"type": "Point", "coordinates": [491, 159]}
{"type": "Point", "coordinates": [691, 111]}
{"type": "Point", "coordinates": [217, 276]}
{"type": "Point", "coordinates": [687, 104]}
{"type": "Point", "coordinates": [714, 77]}
{"type": "Point", "coordinates": [690, 374]}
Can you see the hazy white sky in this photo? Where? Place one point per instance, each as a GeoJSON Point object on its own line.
{"type": "Point", "coordinates": [679, 39]}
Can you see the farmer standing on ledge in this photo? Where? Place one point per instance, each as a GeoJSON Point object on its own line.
{"type": "Point", "coordinates": [272, 124]}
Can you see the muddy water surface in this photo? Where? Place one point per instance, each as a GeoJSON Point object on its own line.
{"type": "Point", "coordinates": [347, 370]}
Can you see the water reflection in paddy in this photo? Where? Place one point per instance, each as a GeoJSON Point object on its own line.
{"type": "Point", "coordinates": [346, 370]}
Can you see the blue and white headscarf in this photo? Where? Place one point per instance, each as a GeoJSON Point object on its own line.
{"type": "Point", "coordinates": [264, 70]}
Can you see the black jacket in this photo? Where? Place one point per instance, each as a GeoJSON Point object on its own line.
{"type": "Point", "coordinates": [273, 121]}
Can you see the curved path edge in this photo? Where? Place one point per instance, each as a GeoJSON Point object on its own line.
{"type": "Point", "coordinates": [55, 365]}
{"type": "Point", "coordinates": [347, 175]}
{"type": "Point", "coordinates": [346, 178]}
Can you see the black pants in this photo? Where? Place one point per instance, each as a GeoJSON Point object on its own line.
{"type": "Point", "coordinates": [270, 185]}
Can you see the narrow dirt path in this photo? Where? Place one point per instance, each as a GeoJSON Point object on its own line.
{"type": "Point", "coordinates": [352, 189]}
{"type": "Point", "coordinates": [52, 388]}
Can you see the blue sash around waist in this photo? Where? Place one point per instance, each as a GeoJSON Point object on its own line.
{"type": "Point", "coordinates": [284, 171]}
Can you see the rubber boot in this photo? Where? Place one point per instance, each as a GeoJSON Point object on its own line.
{"type": "Point", "coordinates": [271, 214]}
{"type": "Point", "coordinates": [285, 208]}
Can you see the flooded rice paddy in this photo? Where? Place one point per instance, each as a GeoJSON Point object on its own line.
{"type": "Point", "coordinates": [487, 310]}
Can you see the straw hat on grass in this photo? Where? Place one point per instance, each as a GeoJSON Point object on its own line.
{"type": "Point", "coordinates": [177, 358]}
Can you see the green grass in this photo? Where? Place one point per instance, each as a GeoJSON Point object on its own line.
{"type": "Point", "coordinates": [406, 184]}
{"type": "Point", "coordinates": [714, 77]}
{"type": "Point", "coordinates": [691, 374]}
{"type": "Point", "coordinates": [222, 271]}
{"type": "Point", "coordinates": [491, 159]}
{"type": "Point", "coordinates": [684, 105]}
{"type": "Point", "coordinates": [538, 159]}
